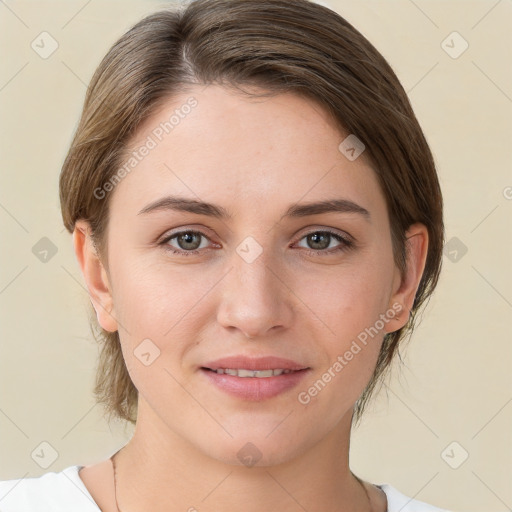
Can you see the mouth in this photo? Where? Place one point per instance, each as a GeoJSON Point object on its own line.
{"type": "Point", "coordinates": [244, 373]}
{"type": "Point", "coordinates": [254, 379]}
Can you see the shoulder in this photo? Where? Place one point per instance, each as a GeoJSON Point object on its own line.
{"type": "Point", "coordinates": [398, 502]}
{"type": "Point", "coordinates": [52, 492]}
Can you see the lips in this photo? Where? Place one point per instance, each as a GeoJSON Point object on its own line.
{"type": "Point", "coordinates": [254, 379]}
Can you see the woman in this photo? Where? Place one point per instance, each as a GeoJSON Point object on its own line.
{"type": "Point", "coordinates": [258, 220]}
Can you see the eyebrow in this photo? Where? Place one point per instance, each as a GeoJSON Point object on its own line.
{"type": "Point", "coordinates": [185, 204]}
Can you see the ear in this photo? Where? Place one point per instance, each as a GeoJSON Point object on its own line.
{"type": "Point", "coordinates": [406, 285]}
{"type": "Point", "coordinates": [95, 276]}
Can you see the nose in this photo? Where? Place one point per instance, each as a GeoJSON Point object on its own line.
{"type": "Point", "coordinates": [255, 297]}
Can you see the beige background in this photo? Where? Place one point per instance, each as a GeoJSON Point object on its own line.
{"type": "Point", "coordinates": [457, 381]}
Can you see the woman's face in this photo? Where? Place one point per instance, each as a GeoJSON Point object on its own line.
{"type": "Point", "coordinates": [254, 274]}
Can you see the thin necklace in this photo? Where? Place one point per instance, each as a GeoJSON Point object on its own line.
{"type": "Point", "coordinates": [112, 458]}
{"type": "Point", "coordinates": [115, 483]}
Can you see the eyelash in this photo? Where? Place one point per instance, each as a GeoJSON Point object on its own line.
{"type": "Point", "coordinates": [345, 245]}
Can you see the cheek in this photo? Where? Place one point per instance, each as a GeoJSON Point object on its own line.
{"type": "Point", "coordinates": [158, 310]}
{"type": "Point", "coordinates": [350, 346]}
{"type": "Point", "coordinates": [154, 297]}
{"type": "Point", "coordinates": [352, 309]}
{"type": "Point", "coordinates": [347, 300]}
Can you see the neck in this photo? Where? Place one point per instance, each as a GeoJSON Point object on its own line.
{"type": "Point", "coordinates": [157, 470]}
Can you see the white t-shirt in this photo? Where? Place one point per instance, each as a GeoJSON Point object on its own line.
{"type": "Point", "coordinates": [66, 492]}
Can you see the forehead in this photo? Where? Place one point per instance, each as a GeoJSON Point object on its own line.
{"type": "Point", "coordinates": [218, 145]}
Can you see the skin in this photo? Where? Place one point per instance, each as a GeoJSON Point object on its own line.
{"type": "Point", "coordinates": [241, 153]}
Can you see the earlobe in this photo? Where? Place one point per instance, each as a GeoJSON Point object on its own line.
{"type": "Point", "coordinates": [407, 284]}
{"type": "Point", "coordinates": [95, 276]}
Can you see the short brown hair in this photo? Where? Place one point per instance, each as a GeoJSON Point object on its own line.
{"type": "Point", "coordinates": [281, 46]}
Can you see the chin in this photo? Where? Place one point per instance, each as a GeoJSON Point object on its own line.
{"type": "Point", "coordinates": [258, 450]}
